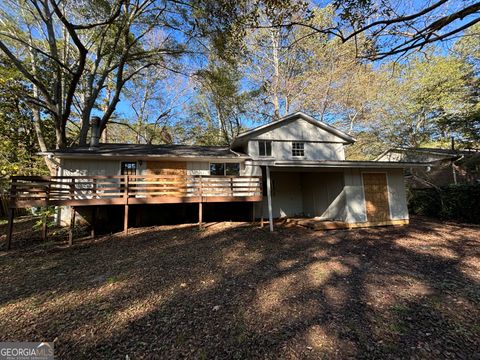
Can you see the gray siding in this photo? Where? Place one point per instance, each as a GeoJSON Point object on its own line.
{"type": "Point", "coordinates": [282, 150]}
{"type": "Point", "coordinates": [319, 143]}
{"type": "Point", "coordinates": [287, 200]}
{"type": "Point", "coordinates": [300, 130]}
{"type": "Point", "coordinates": [79, 167]}
{"type": "Point", "coordinates": [397, 195]}
{"type": "Point", "coordinates": [198, 168]}
{"type": "Point", "coordinates": [355, 200]}
{"type": "Point", "coordinates": [323, 195]}
{"type": "Point", "coordinates": [354, 197]}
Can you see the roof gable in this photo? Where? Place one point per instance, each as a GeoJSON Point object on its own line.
{"type": "Point", "coordinates": [287, 123]}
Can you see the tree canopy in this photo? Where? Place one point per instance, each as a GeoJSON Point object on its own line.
{"type": "Point", "coordinates": [200, 71]}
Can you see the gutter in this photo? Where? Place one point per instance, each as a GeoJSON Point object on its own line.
{"type": "Point", "coordinates": [338, 164]}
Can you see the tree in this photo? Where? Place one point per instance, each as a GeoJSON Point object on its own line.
{"type": "Point", "coordinates": [420, 96]}
{"type": "Point", "coordinates": [391, 27]}
{"type": "Point", "coordinates": [157, 98]}
{"type": "Point", "coordinates": [18, 143]}
{"type": "Point", "coordinates": [273, 62]}
{"type": "Point", "coordinates": [220, 103]}
{"type": "Point", "coordinates": [82, 54]}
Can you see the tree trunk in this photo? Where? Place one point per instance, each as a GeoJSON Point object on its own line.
{"type": "Point", "coordinates": [36, 115]}
{"type": "Point", "coordinates": [274, 34]}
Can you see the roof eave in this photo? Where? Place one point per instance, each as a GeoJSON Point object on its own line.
{"type": "Point", "coordinates": [245, 135]}
{"type": "Point", "coordinates": [340, 164]}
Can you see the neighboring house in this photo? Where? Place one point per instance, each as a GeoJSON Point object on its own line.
{"type": "Point", "coordinates": [448, 166]}
{"type": "Point", "coordinates": [293, 167]}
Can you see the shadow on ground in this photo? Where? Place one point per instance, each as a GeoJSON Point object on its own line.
{"type": "Point", "coordinates": [236, 291]}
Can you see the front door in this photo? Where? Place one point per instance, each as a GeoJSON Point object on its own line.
{"type": "Point", "coordinates": [376, 197]}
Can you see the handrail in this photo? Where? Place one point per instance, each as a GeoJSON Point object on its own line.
{"type": "Point", "coordinates": [57, 189]}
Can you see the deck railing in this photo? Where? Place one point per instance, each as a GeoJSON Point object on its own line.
{"type": "Point", "coordinates": [131, 189]}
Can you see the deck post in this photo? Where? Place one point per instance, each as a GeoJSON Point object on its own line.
{"type": "Point", "coordinates": [125, 220]}
{"type": "Point", "coordinates": [269, 198]}
{"type": "Point", "coordinates": [200, 204]}
{"type": "Point", "coordinates": [253, 212]}
{"type": "Point", "coordinates": [200, 214]}
{"type": "Point", "coordinates": [72, 226]}
{"type": "Point", "coordinates": [11, 215]}
{"type": "Point", "coordinates": [125, 213]}
{"type": "Point", "coordinates": [93, 223]}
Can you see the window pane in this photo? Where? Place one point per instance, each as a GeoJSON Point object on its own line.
{"type": "Point", "coordinates": [265, 148]}
{"type": "Point", "coordinates": [261, 148]}
{"type": "Point", "coordinates": [232, 169]}
{"type": "Point", "coordinates": [129, 168]}
{"type": "Point", "coordinates": [298, 149]}
{"type": "Point", "coordinates": [217, 169]}
{"type": "Point", "coordinates": [268, 150]}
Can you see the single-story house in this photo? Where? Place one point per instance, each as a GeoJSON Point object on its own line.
{"type": "Point", "coordinates": [293, 167]}
{"type": "Point", "coordinates": [447, 166]}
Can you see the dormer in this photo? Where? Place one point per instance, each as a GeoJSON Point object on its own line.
{"type": "Point", "coordinates": [294, 137]}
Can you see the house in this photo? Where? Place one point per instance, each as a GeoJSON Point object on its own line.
{"type": "Point", "coordinates": [447, 166]}
{"type": "Point", "coordinates": [293, 167]}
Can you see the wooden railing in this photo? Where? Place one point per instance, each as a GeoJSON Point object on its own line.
{"type": "Point", "coordinates": [29, 191]}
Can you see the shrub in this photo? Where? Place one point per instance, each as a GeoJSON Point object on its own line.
{"type": "Point", "coordinates": [453, 202]}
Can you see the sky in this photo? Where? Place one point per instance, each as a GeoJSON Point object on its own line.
{"type": "Point", "coordinates": [191, 64]}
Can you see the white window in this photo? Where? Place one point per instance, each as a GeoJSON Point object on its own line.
{"type": "Point", "coordinates": [265, 148]}
{"type": "Point", "coordinates": [298, 148]}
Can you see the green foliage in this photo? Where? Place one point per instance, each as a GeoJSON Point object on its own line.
{"type": "Point", "coordinates": [421, 100]}
{"type": "Point", "coordinates": [43, 213]}
{"type": "Point", "coordinates": [220, 103]}
{"type": "Point", "coordinates": [454, 202]}
{"type": "Point", "coordinates": [367, 147]}
{"type": "Point", "coordinates": [18, 143]}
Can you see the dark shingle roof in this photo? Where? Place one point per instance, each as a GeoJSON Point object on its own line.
{"type": "Point", "coordinates": [150, 150]}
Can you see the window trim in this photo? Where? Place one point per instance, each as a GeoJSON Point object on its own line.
{"type": "Point", "coordinates": [298, 149]}
{"type": "Point", "coordinates": [128, 162]}
{"type": "Point", "coordinates": [264, 143]}
{"type": "Point", "coordinates": [224, 168]}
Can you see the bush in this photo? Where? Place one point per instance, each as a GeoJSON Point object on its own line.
{"type": "Point", "coordinates": [454, 202]}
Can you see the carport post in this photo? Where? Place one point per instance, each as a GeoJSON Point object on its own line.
{"type": "Point", "coordinates": [269, 198]}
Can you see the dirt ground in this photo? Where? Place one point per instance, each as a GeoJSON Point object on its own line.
{"type": "Point", "coordinates": [236, 291]}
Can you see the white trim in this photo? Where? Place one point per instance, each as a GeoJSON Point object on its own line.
{"type": "Point", "coordinates": [337, 164]}
{"type": "Point", "coordinates": [269, 198]}
{"type": "Point", "coordinates": [303, 116]}
{"type": "Point", "coordinates": [225, 168]}
{"type": "Point", "coordinates": [137, 167]}
{"type": "Point", "coordinates": [388, 192]}
{"type": "Point", "coordinates": [258, 141]}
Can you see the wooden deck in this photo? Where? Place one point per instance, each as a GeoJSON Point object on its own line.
{"type": "Point", "coordinates": [126, 190]}
{"type": "Point", "coordinates": [34, 191]}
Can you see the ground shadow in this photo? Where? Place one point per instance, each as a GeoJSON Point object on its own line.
{"type": "Point", "coordinates": [237, 291]}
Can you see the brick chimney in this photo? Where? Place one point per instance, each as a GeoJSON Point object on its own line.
{"type": "Point", "coordinates": [95, 134]}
